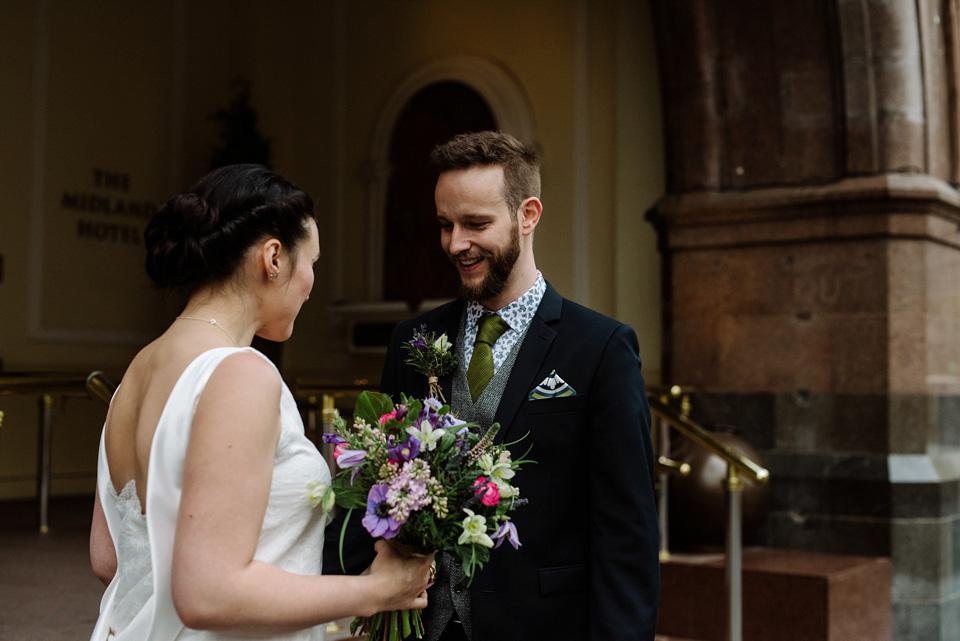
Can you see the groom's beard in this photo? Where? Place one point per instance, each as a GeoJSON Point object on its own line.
{"type": "Point", "coordinates": [500, 265]}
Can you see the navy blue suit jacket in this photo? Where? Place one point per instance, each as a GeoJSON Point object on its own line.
{"type": "Point", "coordinates": [588, 566]}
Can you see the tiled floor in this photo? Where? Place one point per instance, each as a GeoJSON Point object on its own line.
{"type": "Point", "coordinates": [47, 589]}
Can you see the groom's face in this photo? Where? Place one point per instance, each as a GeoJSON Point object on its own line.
{"type": "Point", "coordinates": [478, 232]}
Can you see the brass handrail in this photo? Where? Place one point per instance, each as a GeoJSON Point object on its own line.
{"type": "Point", "coordinates": [101, 387]}
{"type": "Point", "coordinates": [708, 441]}
{"type": "Point", "coordinates": [326, 386]}
{"type": "Point", "coordinates": [738, 467]}
{"type": "Point", "coordinates": [45, 385]}
{"type": "Point", "coordinates": [96, 383]}
{"type": "Point", "coordinates": [666, 465]}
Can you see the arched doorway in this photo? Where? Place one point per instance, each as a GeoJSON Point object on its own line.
{"type": "Point", "coordinates": [439, 100]}
{"type": "Point", "coordinates": [433, 115]}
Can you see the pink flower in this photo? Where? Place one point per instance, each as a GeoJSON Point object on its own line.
{"type": "Point", "coordinates": [488, 492]}
{"type": "Point", "coordinates": [387, 417]}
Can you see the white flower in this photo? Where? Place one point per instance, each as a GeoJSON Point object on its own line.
{"type": "Point", "coordinates": [442, 344]}
{"type": "Point", "coordinates": [507, 491]}
{"type": "Point", "coordinates": [427, 435]}
{"type": "Point", "coordinates": [475, 530]}
{"type": "Point", "coordinates": [501, 470]}
{"type": "Point", "coordinates": [321, 492]}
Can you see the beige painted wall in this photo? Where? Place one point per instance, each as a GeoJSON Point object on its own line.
{"type": "Point", "coordinates": [131, 86]}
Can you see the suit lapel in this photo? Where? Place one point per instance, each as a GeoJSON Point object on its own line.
{"type": "Point", "coordinates": [534, 349]}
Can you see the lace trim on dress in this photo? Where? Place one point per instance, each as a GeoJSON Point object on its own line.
{"type": "Point", "coordinates": [127, 498]}
{"type": "Point", "coordinates": [134, 569]}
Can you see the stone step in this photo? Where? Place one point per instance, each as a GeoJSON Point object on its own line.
{"type": "Point", "coordinates": [788, 595]}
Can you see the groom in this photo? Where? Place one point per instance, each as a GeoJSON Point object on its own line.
{"type": "Point", "coordinates": [567, 381]}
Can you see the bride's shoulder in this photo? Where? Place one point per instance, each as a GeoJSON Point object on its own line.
{"type": "Point", "coordinates": [247, 369]}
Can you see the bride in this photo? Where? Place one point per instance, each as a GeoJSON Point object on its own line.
{"type": "Point", "coordinates": [202, 526]}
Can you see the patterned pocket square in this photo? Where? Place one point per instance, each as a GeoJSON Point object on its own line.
{"type": "Point", "coordinates": [552, 387]}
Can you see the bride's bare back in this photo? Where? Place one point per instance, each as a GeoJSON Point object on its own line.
{"type": "Point", "coordinates": [136, 408]}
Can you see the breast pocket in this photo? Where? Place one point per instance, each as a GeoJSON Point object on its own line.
{"type": "Point", "coordinates": [553, 405]}
{"type": "Point", "coordinates": [563, 580]}
{"type": "Point", "coordinates": [556, 420]}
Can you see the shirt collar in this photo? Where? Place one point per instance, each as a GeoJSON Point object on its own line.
{"type": "Point", "coordinates": [517, 314]}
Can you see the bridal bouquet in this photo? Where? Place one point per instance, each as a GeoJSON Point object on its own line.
{"type": "Point", "coordinates": [425, 480]}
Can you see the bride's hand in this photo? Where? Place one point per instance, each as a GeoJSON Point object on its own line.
{"type": "Point", "coordinates": [404, 579]}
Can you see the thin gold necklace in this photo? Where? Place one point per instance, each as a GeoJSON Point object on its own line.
{"type": "Point", "coordinates": [212, 321]}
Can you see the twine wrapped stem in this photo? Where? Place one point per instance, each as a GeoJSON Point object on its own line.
{"type": "Point", "coordinates": [435, 391]}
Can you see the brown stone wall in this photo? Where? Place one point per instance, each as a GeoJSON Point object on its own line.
{"type": "Point", "coordinates": [811, 248]}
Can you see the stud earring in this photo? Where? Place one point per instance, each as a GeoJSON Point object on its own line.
{"type": "Point", "coordinates": [273, 275]}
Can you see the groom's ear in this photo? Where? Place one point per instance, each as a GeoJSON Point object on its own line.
{"type": "Point", "coordinates": [530, 210]}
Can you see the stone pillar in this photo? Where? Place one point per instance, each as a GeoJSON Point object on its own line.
{"type": "Point", "coordinates": [811, 256]}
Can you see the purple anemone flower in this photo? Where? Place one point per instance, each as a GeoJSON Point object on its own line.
{"type": "Point", "coordinates": [379, 521]}
{"type": "Point", "coordinates": [405, 451]}
{"type": "Point", "coordinates": [506, 531]}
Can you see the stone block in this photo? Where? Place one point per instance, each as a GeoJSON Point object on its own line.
{"type": "Point", "coordinates": [937, 621]}
{"type": "Point", "coordinates": [924, 500]}
{"type": "Point", "coordinates": [787, 596]}
{"type": "Point", "coordinates": [912, 423]}
{"type": "Point", "coordinates": [922, 554]}
{"type": "Point", "coordinates": [948, 420]}
{"type": "Point", "coordinates": [834, 535]}
{"type": "Point", "coordinates": [752, 416]}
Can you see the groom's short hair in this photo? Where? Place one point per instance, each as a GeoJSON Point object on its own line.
{"type": "Point", "coordinates": [521, 166]}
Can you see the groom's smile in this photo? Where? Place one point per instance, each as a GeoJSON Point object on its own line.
{"type": "Point", "coordinates": [477, 231]}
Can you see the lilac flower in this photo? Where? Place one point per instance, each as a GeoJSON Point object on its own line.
{"type": "Point", "coordinates": [404, 451]}
{"type": "Point", "coordinates": [407, 493]}
{"type": "Point", "coordinates": [379, 521]}
{"type": "Point", "coordinates": [349, 458]}
{"type": "Point", "coordinates": [507, 531]}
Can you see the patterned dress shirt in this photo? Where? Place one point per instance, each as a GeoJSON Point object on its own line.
{"type": "Point", "coordinates": [517, 314]}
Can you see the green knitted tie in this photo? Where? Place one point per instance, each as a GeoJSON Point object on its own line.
{"type": "Point", "coordinates": [480, 370]}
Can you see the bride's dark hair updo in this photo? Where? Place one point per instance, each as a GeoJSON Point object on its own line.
{"type": "Point", "coordinates": [200, 237]}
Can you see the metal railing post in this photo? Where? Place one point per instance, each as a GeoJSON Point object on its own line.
{"type": "Point", "coordinates": [662, 447]}
{"type": "Point", "coordinates": [734, 487]}
{"type": "Point", "coordinates": [43, 458]}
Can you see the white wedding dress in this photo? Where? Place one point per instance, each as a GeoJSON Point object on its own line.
{"type": "Point", "coordinates": [138, 603]}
